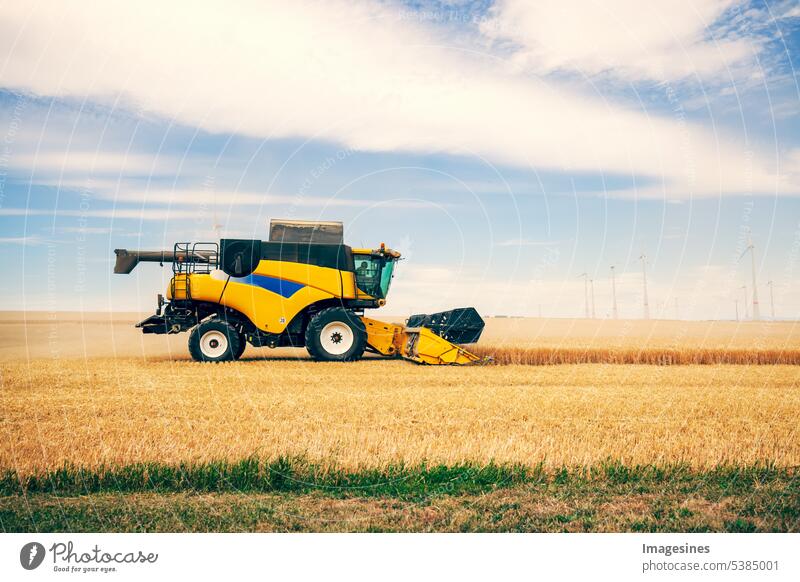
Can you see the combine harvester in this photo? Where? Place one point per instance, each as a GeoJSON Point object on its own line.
{"type": "Point", "coordinates": [303, 287]}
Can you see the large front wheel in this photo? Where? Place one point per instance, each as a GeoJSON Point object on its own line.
{"type": "Point", "coordinates": [214, 341]}
{"type": "Point", "coordinates": [336, 335]}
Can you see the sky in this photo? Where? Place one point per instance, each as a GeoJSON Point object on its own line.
{"type": "Point", "coordinates": [512, 151]}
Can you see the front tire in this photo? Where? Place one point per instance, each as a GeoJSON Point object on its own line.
{"type": "Point", "coordinates": [336, 335]}
{"type": "Point", "coordinates": [214, 341]}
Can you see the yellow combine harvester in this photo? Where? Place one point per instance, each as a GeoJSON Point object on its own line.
{"type": "Point", "coordinates": [303, 287]}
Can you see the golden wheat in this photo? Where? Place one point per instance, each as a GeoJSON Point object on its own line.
{"type": "Point", "coordinates": [373, 413]}
{"type": "Point", "coordinates": [90, 335]}
{"type": "Point", "coordinates": [540, 356]}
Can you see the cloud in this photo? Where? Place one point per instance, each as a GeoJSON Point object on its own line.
{"type": "Point", "coordinates": [228, 198]}
{"type": "Point", "coordinates": [792, 11]}
{"type": "Point", "coordinates": [363, 75]}
{"type": "Point", "coordinates": [524, 242]}
{"type": "Point", "coordinates": [85, 230]}
{"type": "Point", "coordinates": [32, 240]}
{"type": "Point", "coordinates": [155, 214]}
{"type": "Point", "coordinates": [629, 39]}
{"type": "Point", "coordinates": [73, 162]}
{"type": "Point", "coordinates": [123, 191]}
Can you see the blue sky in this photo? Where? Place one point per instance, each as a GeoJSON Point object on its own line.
{"type": "Point", "coordinates": [504, 148]}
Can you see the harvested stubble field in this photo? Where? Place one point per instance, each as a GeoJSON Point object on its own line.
{"type": "Point", "coordinates": [152, 441]}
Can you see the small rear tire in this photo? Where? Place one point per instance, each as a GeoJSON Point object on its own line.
{"type": "Point", "coordinates": [336, 335]}
{"type": "Point", "coordinates": [242, 346]}
{"type": "Point", "coordinates": [214, 341]}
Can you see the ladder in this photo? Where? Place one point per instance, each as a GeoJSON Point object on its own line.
{"type": "Point", "coordinates": [189, 258]}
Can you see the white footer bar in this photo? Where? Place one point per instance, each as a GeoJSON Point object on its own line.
{"type": "Point", "coordinates": [405, 557]}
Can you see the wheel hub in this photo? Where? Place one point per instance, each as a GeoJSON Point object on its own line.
{"type": "Point", "coordinates": [213, 344]}
{"type": "Point", "coordinates": [337, 338]}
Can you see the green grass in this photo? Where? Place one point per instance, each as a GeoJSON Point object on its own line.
{"type": "Point", "coordinates": [294, 495]}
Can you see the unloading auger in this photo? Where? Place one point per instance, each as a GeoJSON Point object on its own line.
{"type": "Point", "coordinates": [302, 288]}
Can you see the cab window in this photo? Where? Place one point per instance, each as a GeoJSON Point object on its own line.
{"type": "Point", "coordinates": [368, 274]}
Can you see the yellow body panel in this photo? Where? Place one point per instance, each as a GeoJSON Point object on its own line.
{"type": "Point", "coordinates": [268, 310]}
{"type": "Point", "coordinates": [386, 338]}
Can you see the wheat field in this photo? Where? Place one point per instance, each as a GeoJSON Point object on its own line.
{"type": "Point", "coordinates": [64, 335]}
{"type": "Point", "coordinates": [103, 429]}
{"type": "Point", "coordinates": [151, 404]}
{"type": "Point", "coordinates": [373, 413]}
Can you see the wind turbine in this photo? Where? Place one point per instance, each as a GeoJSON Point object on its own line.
{"type": "Point", "coordinates": [770, 284]}
{"type": "Point", "coordinates": [746, 314]}
{"type": "Point", "coordinates": [614, 312]}
{"type": "Point", "coordinates": [591, 286]}
{"type": "Point", "coordinates": [736, 304]}
{"type": "Point", "coordinates": [585, 292]}
{"type": "Point", "coordinates": [751, 248]}
{"type": "Point", "coordinates": [646, 305]}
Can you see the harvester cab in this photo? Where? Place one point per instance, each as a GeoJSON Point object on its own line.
{"type": "Point", "coordinates": [302, 288]}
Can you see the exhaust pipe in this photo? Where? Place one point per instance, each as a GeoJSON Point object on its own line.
{"type": "Point", "coordinates": [127, 260]}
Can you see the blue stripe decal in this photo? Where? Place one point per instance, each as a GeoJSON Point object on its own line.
{"type": "Point", "coordinates": [280, 286]}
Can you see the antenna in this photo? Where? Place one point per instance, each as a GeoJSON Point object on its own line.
{"type": "Point", "coordinates": [746, 314]}
{"type": "Point", "coordinates": [585, 293]}
{"type": "Point", "coordinates": [591, 286]}
{"type": "Point", "coordinates": [751, 248]}
{"type": "Point", "coordinates": [614, 312]}
{"type": "Point", "coordinates": [646, 305]}
{"type": "Point", "coordinates": [770, 284]}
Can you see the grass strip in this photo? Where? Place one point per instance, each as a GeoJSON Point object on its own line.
{"type": "Point", "coordinates": [297, 475]}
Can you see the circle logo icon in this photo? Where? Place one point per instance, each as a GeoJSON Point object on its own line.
{"type": "Point", "coordinates": [31, 555]}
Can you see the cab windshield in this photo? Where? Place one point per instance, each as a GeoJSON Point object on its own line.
{"type": "Point", "coordinates": [374, 274]}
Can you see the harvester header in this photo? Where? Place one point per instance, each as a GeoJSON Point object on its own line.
{"type": "Point", "coordinates": [301, 288]}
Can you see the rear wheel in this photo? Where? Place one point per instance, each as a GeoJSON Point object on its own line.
{"type": "Point", "coordinates": [242, 346]}
{"type": "Point", "coordinates": [214, 341]}
{"type": "Point", "coordinates": [336, 335]}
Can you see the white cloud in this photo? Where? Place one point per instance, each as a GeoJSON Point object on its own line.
{"type": "Point", "coordinates": [229, 198]}
{"type": "Point", "coordinates": [156, 214]}
{"type": "Point", "coordinates": [80, 162]}
{"type": "Point", "coordinates": [360, 75]}
{"type": "Point", "coordinates": [525, 242]}
{"type": "Point", "coordinates": [629, 39]}
{"type": "Point", "coordinates": [122, 191]}
{"type": "Point", "coordinates": [85, 230]}
{"type": "Point", "coordinates": [791, 12]}
{"type": "Point", "coordinates": [32, 240]}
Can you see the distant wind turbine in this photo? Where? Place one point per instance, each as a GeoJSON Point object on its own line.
{"type": "Point", "coordinates": [770, 284]}
{"type": "Point", "coordinates": [614, 312]}
{"type": "Point", "coordinates": [585, 292]}
{"type": "Point", "coordinates": [646, 305]}
{"type": "Point", "coordinates": [736, 304]}
{"type": "Point", "coordinates": [591, 286]}
{"type": "Point", "coordinates": [751, 248]}
{"type": "Point", "coordinates": [746, 314]}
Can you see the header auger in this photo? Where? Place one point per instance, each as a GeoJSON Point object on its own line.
{"type": "Point", "coordinates": [302, 288]}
